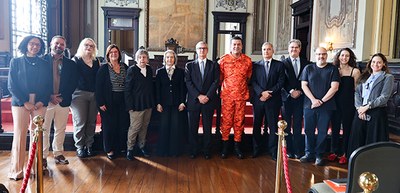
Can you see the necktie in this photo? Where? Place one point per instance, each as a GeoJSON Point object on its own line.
{"type": "Point", "coordinates": [202, 69]}
{"type": "Point", "coordinates": [170, 71]}
{"type": "Point", "coordinates": [296, 71]}
{"type": "Point", "coordinates": [266, 69]}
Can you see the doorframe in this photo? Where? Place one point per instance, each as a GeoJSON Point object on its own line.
{"type": "Point", "coordinates": [220, 17]}
{"type": "Point", "coordinates": [125, 13]}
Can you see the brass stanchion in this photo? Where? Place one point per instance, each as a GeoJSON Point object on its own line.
{"type": "Point", "coordinates": [282, 124]}
{"type": "Point", "coordinates": [368, 182]}
{"type": "Point", "coordinates": [38, 121]}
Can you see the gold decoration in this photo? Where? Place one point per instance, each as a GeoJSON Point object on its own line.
{"type": "Point", "coordinates": [368, 182]}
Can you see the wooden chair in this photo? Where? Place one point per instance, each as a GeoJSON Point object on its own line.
{"type": "Point", "coordinates": [380, 158]}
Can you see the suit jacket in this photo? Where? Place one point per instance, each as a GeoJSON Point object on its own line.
{"type": "Point", "coordinates": [170, 92]}
{"type": "Point", "coordinates": [197, 85]}
{"type": "Point", "coordinates": [381, 91]}
{"type": "Point", "coordinates": [68, 78]}
{"type": "Point", "coordinates": [291, 80]}
{"type": "Point", "coordinates": [18, 82]}
{"type": "Point", "coordinates": [274, 83]}
{"type": "Point", "coordinates": [103, 91]}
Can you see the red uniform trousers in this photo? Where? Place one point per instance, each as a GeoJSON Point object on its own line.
{"type": "Point", "coordinates": [232, 116]}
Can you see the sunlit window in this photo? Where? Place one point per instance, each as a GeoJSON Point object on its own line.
{"type": "Point", "coordinates": [28, 17]}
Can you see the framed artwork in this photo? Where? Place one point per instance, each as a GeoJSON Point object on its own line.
{"type": "Point", "coordinates": [182, 20]}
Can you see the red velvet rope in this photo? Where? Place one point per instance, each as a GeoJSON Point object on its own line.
{"type": "Point", "coordinates": [28, 168]}
{"type": "Point", "coordinates": [286, 169]}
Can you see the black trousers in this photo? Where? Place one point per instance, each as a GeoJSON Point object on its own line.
{"type": "Point", "coordinates": [194, 118]}
{"type": "Point", "coordinates": [114, 124]}
{"type": "Point", "coordinates": [171, 130]}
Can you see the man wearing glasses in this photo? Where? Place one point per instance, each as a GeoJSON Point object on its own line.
{"type": "Point", "coordinates": [202, 81]}
{"type": "Point", "coordinates": [320, 82]}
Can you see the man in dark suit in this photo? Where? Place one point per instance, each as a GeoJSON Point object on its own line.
{"type": "Point", "coordinates": [202, 79]}
{"type": "Point", "coordinates": [293, 99]}
{"type": "Point", "coordinates": [267, 80]}
{"type": "Point", "coordinates": [64, 81]}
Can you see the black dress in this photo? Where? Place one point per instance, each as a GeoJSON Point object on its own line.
{"type": "Point", "coordinates": [344, 114]}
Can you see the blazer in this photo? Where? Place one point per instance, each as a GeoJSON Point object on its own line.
{"type": "Point", "coordinates": [139, 89]}
{"type": "Point", "coordinates": [170, 92]}
{"type": "Point", "coordinates": [381, 91]}
{"type": "Point", "coordinates": [196, 85]}
{"type": "Point", "coordinates": [275, 82]}
{"type": "Point", "coordinates": [291, 80]}
{"type": "Point", "coordinates": [68, 79]}
{"type": "Point", "coordinates": [103, 91]}
{"type": "Point", "coordinates": [18, 82]}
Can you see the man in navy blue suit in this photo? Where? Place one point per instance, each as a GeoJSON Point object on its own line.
{"type": "Point", "coordinates": [267, 80]}
{"type": "Point", "coordinates": [202, 79]}
{"type": "Point", "coordinates": [293, 99]}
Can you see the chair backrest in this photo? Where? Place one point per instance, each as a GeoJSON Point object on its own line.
{"type": "Point", "coordinates": [382, 159]}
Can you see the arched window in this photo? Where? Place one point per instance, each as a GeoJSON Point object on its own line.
{"type": "Point", "coordinates": [28, 17]}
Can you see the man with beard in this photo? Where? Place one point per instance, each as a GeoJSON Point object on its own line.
{"type": "Point", "coordinates": [65, 80]}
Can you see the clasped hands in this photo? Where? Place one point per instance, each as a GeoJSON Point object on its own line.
{"type": "Point", "coordinates": [203, 99]}
{"type": "Point", "coordinates": [316, 103]}
{"type": "Point", "coordinates": [362, 112]}
{"type": "Point", "coordinates": [32, 107]}
{"type": "Point", "coordinates": [265, 95]}
{"type": "Point", "coordinates": [181, 107]}
{"type": "Point", "coordinates": [295, 94]}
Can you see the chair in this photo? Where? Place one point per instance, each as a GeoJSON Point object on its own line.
{"type": "Point", "coordinates": [380, 158]}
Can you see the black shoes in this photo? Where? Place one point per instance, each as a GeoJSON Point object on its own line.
{"type": "Point", "coordinates": [90, 152]}
{"type": "Point", "coordinates": [111, 156]}
{"type": "Point", "coordinates": [224, 152]}
{"type": "Point", "coordinates": [145, 153]}
{"type": "Point", "coordinates": [207, 156]}
{"type": "Point", "coordinates": [239, 153]}
{"type": "Point", "coordinates": [129, 155]}
{"type": "Point", "coordinates": [307, 158]}
{"type": "Point", "coordinates": [319, 161]}
{"type": "Point", "coordinates": [81, 153]}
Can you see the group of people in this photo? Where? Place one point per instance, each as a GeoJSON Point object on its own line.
{"type": "Point", "coordinates": [323, 93]}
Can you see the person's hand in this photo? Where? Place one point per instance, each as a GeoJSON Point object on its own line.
{"type": "Point", "coordinates": [38, 105]}
{"type": "Point", "coordinates": [203, 99]}
{"type": "Point", "coordinates": [159, 108]}
{"type": "Point", "coordinates": [363, 109]}
{"type": "Point", "coordinates": [103, 108]}
{"type": "Point", "coordinates": [29, 106]}
{"type": "Point", "coordinates": [316, 103]}
{"type": "Point", "coordinates": [295, 94]}
{"type": "Point", "coordinates": [55, 99]}
{"type": "Point", "coordinates": [181, 107]}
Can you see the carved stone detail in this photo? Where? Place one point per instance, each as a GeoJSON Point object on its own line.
{"type": "Point", "coordinates": [231, 5]}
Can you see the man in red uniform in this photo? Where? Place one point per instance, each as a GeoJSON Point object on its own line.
{"type": "Point", "coordinates": [235, 74]}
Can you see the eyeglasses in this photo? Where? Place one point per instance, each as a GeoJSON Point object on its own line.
{"type": "Point", "coordinates": [89, 45]}
{"type": "Point", "coordinates": [202, 48]}
{"type": "Point", "coordinates": [34, 44]}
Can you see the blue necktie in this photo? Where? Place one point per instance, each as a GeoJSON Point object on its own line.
{"type": "Point", "coordinates": [266, 69]}
{"type": "Point", "coordinates": [202, 69]}
{"type": "Point", "coordinates": [296, 71]}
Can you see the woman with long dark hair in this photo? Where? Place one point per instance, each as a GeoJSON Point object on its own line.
{"type": "Point", "coordinates": [373, 91]}
{"type": "Point", "coordinates": [342, 117]}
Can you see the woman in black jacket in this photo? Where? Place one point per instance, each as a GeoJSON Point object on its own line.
{"type": "Point", "coordinates": [110, 87]}
{"type": "Point", "coordinates": [170, 99]}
